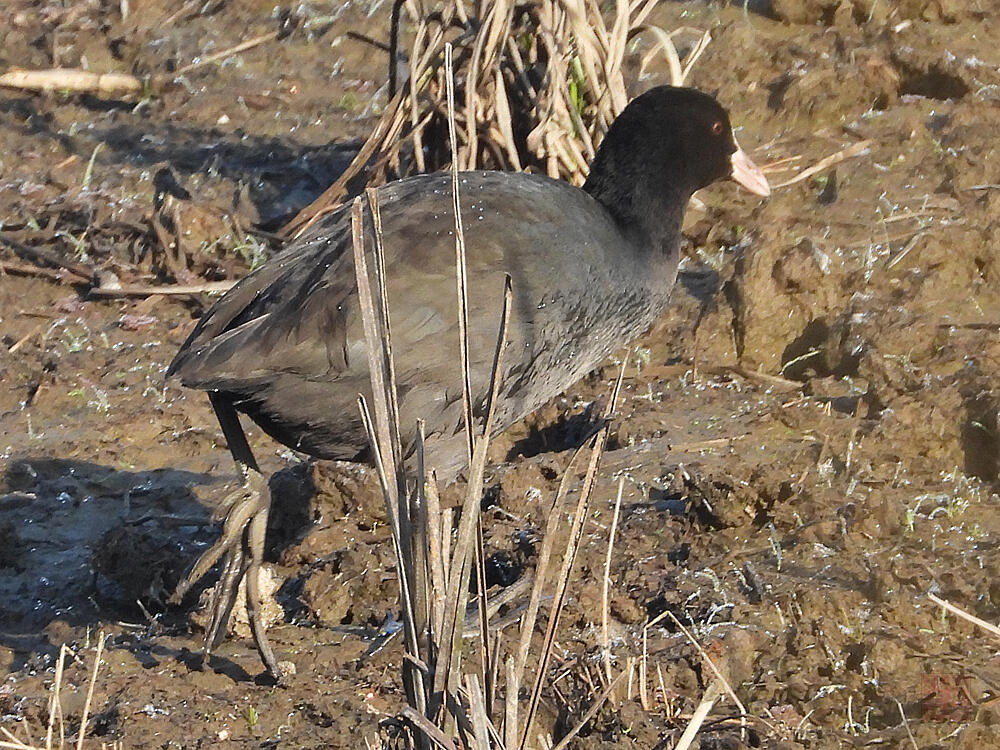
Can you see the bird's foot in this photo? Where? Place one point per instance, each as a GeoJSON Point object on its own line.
{"type": "Point", "coordinates": [241, 549]}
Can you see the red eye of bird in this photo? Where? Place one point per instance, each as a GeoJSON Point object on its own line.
{"type": "Point", "coordinates": [718, 127]}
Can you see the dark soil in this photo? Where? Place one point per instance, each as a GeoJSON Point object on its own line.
{"type": "Point", "coordinates": [809, 439]}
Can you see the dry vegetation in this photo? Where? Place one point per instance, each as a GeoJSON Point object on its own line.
{"type": "Point", "coordinates": [55, 732]}
{"type": "Point", "coordinates": [537, 86]}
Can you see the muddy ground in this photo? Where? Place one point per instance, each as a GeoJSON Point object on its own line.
{"type": "Point", "coordinates": [809, 438]}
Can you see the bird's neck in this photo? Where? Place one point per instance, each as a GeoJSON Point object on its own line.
{"type": "Point", "coordinates": [650, 216]}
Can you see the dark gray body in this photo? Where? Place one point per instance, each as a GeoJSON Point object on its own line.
{"type": "Point", "coordinates": [287, 346]}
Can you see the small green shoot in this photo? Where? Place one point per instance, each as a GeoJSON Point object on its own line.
{"type": "Point", "coordinates": [89, 173]}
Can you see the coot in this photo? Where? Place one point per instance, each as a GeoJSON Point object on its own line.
{"type": "Point", "coordinates": [591, 270]}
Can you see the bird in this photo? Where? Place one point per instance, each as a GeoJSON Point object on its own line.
{"type": "Point", "coordinates": [590, 268]}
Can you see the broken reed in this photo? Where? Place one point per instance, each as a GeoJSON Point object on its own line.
{"type": "Point", "coordinates": [537, 85]}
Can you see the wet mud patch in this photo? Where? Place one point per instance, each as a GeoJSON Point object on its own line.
{"type": "Point", "coordinates": [71, 523]}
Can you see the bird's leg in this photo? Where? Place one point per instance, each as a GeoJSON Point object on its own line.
{"type": "Point", "coordinates": [241, 510]}
{"type": "Point", "coordinates": [241, 548]}
{"type": "Point", "coordinates": [241, 545]}
{"type": "Point", "coordinates": [254, 544]}
{"type": "Point", "coordinates": [223, 599]}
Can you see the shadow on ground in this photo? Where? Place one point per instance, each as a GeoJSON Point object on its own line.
{"type": "Point", "coordinates": [82, 541]}
{"type": "Point", "coordinates": [279, 175]}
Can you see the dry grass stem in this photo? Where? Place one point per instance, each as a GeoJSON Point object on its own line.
{"type": "Point", "coordinates": [605, 636]}
{"type": "Point", "coordinates": [857, 149]}
{"type": "Point", "coordinates": [643, 694]}
{"type": "Point", "coordinates": [83, 272]}
{"type": "Point", "coordinates": [438, 534]}
{"type": "Point", "coordinates": [208, 287]}
{"type": "Point", "coordinates": [26, 338]}
{"type": "Point", "coordinates": [383, 435]}
{"type": "Point", "coordinates": [477, 709]}
{"type": "Point", "coordinates": [702, 445]}
{"type": "Point", "coordinates": [90, 691]}
{"type": "Point", "coordinates": [630, 668]}
{"type": "Point", "coordinates": [23, 269]}
{"type": "Point", "coordinates": [987, 626]}
{"type": "Point", "coordinates": [594, 708]}
{"type": "Point", "coordinates": [597, 444]}
{"type": "Point", "coordinates": [387, 129]}
{"type": "Point", "coordinates": [229, 52]}
{"type": "Point", "coordinates": [663, 687]}
{"type": "Point", "coordinates": [512, 686]}
{"type": "Point", "coordinates": [553, 517]}
{"type": "Point", "coordinates": [906, 725]}
{"type": "Point", "coordinates": [55, 708]}
{"type": "Point", "coordinates": [427, 728]}
{"type": "Point", "coordinates": [55, 704]}
{"type": "Point", "coordinates": [461, 280]}
{"type": "Point", "coordinates": [461, 272]}
{"type": "Point", "coordinates": [772, 381]}
{"type": "Point", "coordinates": [704, 655]}
{"type": "Point", "coordinates": [643, 662]}
{"type": "Point", "coordinates": [906, 250]}
{"type": "Point", "coordinates": [712, 694]}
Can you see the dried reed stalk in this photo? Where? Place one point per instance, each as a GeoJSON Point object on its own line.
{"type": "Point", "coordinates": [461, 277]}
{"type": "Point", "coordinates": [55, 708]}
{"type": "Point", "coordinates": [384, 438]}
{"type": "Point", "coordinates": [590, 712]}
{"type": "Point", "coordinates": [569, 556]}
{"type": "Point", "coordinates": [712, 693]}
{"type": "Point", "coordinates": [433, 621]}
{"type": "Point", "coordinates": [605, 635]}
